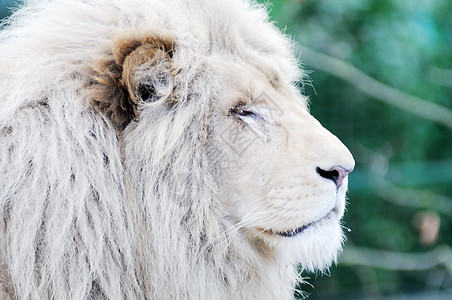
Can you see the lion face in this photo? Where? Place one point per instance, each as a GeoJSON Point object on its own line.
{"type": "Point", "coordinates": [159, 140]}
{"type": "Point", "coordinates": [282, 177]}
{"type": "Point", "coordinates": [286, 183]}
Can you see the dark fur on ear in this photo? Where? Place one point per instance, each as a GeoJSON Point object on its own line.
{"type": "Point", "coordinates": [118, 85]}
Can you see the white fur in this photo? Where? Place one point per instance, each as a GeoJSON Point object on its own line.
{"type": "Point", "coordinates": [88, 211]}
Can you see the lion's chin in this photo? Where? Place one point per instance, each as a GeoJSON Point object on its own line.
{"type": "Point", "coordinates": [315, 245]}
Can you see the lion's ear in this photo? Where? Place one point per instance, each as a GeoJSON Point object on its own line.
{"type": "Point", "coordinates": [139, 71]}
{"type": "Point", "coordinates": [147, 71]}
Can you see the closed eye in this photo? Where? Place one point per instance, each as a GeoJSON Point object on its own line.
{"type": "Point", "coordinates": [240, 111]}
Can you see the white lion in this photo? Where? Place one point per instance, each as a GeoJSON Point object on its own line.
{"type": "Point", "coordinates": [158, 149]}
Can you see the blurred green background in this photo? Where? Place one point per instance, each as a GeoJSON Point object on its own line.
{"type": "Point", "coordinates": [380, 78]}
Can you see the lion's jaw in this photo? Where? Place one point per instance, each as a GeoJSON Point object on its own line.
{"type": "Point", "coordinates": [273, 187]}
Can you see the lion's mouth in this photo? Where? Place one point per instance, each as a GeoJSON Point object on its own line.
{"type": "Point", "coordinates": [295, 232]}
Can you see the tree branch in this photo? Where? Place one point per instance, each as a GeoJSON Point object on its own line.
{"type": "Point", "coordinates": [376, 89]}
{"type": "Point", "coordinates": [390, 260]}
{"type": "Point", "coordinates": [414, 198]}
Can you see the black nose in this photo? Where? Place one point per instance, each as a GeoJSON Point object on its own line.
{"type": "Point", "coordinates": [336, 174]}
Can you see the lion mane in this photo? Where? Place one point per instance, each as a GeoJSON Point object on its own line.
{"type": "Point", "coordinates": [112, 164]}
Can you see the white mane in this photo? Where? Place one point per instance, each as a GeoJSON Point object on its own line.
{"type": "Point", "coordinates": [96, 203]}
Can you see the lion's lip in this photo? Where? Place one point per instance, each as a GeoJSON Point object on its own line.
{"type": "Point", "coordinates": [295, 232]}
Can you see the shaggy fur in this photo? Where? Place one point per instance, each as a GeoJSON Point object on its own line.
{"type": "Point", "coordinates": [112, 183]}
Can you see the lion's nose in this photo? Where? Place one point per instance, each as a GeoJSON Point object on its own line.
{"type": "Point", "coordinates": [337, 174]}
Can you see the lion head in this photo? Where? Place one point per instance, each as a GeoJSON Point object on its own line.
{"type": "Point", "coordinates": [286, 180]}
{"type": "Point", "coordinates": [187, 155]}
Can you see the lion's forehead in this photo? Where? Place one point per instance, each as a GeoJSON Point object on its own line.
{"type": "Point", "coordinates": [233, 29]}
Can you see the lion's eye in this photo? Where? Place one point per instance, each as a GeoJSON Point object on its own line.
{"type": "Point", "coordinates": [241, 112]}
